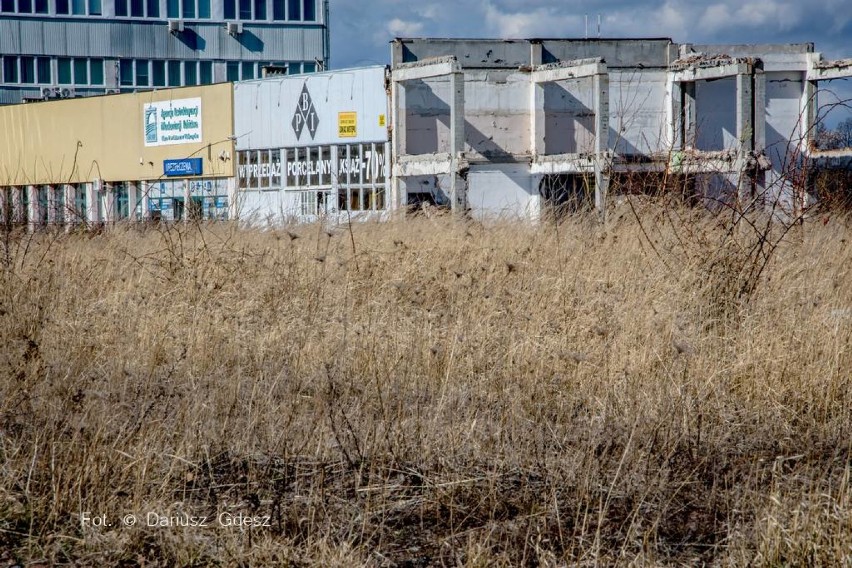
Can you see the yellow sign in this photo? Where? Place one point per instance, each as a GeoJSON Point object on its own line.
{"type": "Point", "coordinates": [381, 120]}
{"type": "Point", "coordinates": [347, 124]}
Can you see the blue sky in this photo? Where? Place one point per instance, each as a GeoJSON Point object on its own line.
{"type": "Point", "coordinates": [361, 29]}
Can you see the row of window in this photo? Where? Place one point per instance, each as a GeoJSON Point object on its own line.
{"type": "Point", "coordinates": [30, 70]}
{"type": "Point", "coordinates": [281, 10]}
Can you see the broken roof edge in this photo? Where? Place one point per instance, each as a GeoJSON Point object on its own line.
{"type": "Point", "coordinates": [529, 39]}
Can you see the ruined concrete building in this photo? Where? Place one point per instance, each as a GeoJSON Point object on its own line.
{"type": "Point", "coordinates": [521, 126]}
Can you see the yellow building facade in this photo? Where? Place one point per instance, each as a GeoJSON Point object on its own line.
{"type": "Point", "coordinates": [164, 154]}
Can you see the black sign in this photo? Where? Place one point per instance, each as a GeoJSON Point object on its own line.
{"type": "Point", "coordinates": [305, 115]}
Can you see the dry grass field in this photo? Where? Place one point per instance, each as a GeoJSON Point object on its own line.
{"type": "Point", "coordinates": [669, 389]}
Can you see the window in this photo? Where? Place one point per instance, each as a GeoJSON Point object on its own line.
{"type": "Point", "coordinates": [190, 73]}
{"type": "Point", "coordinates": [10, 69]}
{"type": "Point", "coordinates": [233, 71]}
{"type": "Point", "coordinates": [248, 70]}
{"type": "Point", "coordinates": [79, 71]}
{"type": "Point", "coordinates": [230, 9]}
{"type": "Point", "coordinates": [158, 73]}
{"type": "Point", "coordinates": [125, 72]}
{"type": "Point", "coordinates": [174, 73]}
{"type": "Point", "coordinates": [64, 68]}
{"type": "Point", "coordinates": [294, 11]}
{"type": "Point", "coordinates": [153, 8]}
{"type": "Point", "coordinates": [43, 70]}
{"type": "Point", "coordinates": [61, 6]}
{"type": "Point", "coordinates": [25, 6]}
{"type": "Point", "coordinates": [28, 70]}
{"type": "Point", "coordinates": [310, 11]}
{"type": "Point", "coordinates": [206, 74]}
{"type": "Point", "coordinates": [7, 6]}
{"type": "Point", "coordinates": [94, 7]}
{"type": "Point", "coordinates": [278, 12]}
{"type": "Point", "coordinates": [245, 9]}
{"type": "Point", "coordinates": [259, 9]}
{"type": "Point", "coordinates": [121, 8]}
{"type": "Point", "coordinates": [41, 7]}
{"type": "Point", "coordinates": [188, 9]}
{"type": "Point", "coordinates": [142, 75]}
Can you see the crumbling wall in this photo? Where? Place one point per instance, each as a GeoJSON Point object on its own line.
{"type": "Point", "coordinates": [638, 112]}
{"type": "Point", "coordinates": [497, 113]}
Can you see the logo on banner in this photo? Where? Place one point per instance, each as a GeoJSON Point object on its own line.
{"type": "Point", "coordinates": [151, 125]}
{"type": "Point", "coordinates": [306, 114]}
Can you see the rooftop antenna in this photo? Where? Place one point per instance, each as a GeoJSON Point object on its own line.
{"type": "Point", "coordinates": [587, 26]}
{"type": "Point", "coordinates": [599, 26]}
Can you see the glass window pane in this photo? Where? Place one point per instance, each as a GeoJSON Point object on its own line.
{"type": "Point", "coordinates": [10, 69]}
{"type": "Point", "coordinates": [153, 8]}
{"type": "Point", "coordinates": [25, 6]}
{"type": "Point", "coordinates": [230, 9]}
{"type": "Point", "coordinates": [64, 68]}
{"type": "Point", "coordinates": [294, 11]}
{"type": "Point", "coordinates": [137, 8]}
{"type": "Point", "coordinates": [97, 71]}
{"type": "Point", "coordinates": [204, 9]}
{"type": "Point", "coordinates": [41, 7]}
{"type": "Point", "coordinates": [174, 73]}
{"type": "Point", "coordinates": [142, 72]}
{"type": "Point", "coordinates": [278, 10]}
{"type": "Point", "coordinates": [309, 67]}
{"type": "Point", "coordinates": [94, 7]}
{"type": "Point", "coordinates": [61, 6]}
{"type": "Point", "coordinates": [206, 72]}
{"type": "Point", "coordinates": [125, 72]}
{"type": "Point", "coordinates": [245, 9]}
{"type": "Point", "coordinates": [172, 10]}
{"type": "Point", "coordinates": [248, 70]}
{"type": "Point", "coordinates": [233, 71]}
{"type": "Point", "coordinates": [78, 7]}
{"type": "Point", "coordinates": [121, 8]}
{"type": "Point", "coordinates": [158, 72]}
{"type": "Point", "coordinates": [259, 9]}
{"type": "Point", "coordinates": [190, 73]}
{"type": "Point", "coordinates": [81, 72]}
{"type": "Point", "coordinates": [28, 70]}
{"type": "Point", "coordinates": [188, 8]}
{"type": "Point", "coordinates": [7, 6]}
{"type": "Point", "coordinates": [43, 70]}
{"type": "Point", "coordinates": [310, 12]}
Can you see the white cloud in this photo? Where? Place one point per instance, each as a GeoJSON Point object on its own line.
{"type": "Point", "coordinates": [400, 28]}
{"type": "Point", "coordinates": [537, 22]}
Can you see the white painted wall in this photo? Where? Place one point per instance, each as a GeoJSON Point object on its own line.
{"type": "Point", "coordinates": [716, 114]}
{"type": "Point", "coordinates": [502, 191]}
{"type": "Point", "coordinates": [639, 111]}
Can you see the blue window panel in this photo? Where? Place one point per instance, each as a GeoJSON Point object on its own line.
{"type": "Point", "coordinates": [204, 9]}
{"type": "Point", "coordinates": [63, 65]}
{"type": "Point", "coordinates": [125, 72]}
{"type": "Point", "coordinates": [309, 14]}
{"type": "Point", "coordinates": [230, 11]}
{"type": "Point", "coordinates": [158, 73]}
{"type": "Point", "coordinates": [96, 67]}
{"type": "Point", "coordinates": [206, 75]}
{"type": "Point", "coordinates": [294, 11]}
{"type": "Point", "coordinates": [153, 8]}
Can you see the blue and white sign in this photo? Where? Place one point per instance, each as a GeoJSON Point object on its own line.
{"type": "Point", "coordinates": [172, 122]}
{"type": "Point", "coordinates": [185, 167]}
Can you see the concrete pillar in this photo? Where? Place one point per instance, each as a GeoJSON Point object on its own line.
{"type": "Point", "coordinates": [397, 200]}
{"type": "Point", "coordinates": [5, 206]}
{"type": "Point", "coordinates": [759, 114]}
{"type": "Point", "coordinates": [54, 199]}
{"type": "Point", "coordinates": [187, 200]}
{"type": "Point", "coordinates": [601, 103]}
{"type": "Point", "coordinates": [458, 193]}
{"type": "Point", "coordinates": [537, 119]}
{"type": "Point", "coordinates": [92, 197]}
{"type": "Point", "coordinates": [144, 196]}
{"type": "Point", "coordinates": [17, 205]}
{"type": "Point", "coordinates": [34, 211]}
{"type": "Point", "coordinates": [69, 210]}
{"type": "Point", "coordinates": [132, 200]}
{"type": "Point", "coordinates": [689, 116]}
{"type": "Point", "coordinates": [809, 107]}
{"type": "Point", "coordinates": [745, 134]}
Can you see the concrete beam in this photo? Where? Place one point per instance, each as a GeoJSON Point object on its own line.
{"type": "Point", "coordinates": [561, 71]}
{"type": "Point", "coordinates": [706, 73]}
{"type": "Point", "coordinates": [822, 70]}
{"type": "Point", "coordinates": [425, 69]}
{"type": "Point", "coordinates": [426, 164]}
{"type": "Point", "coordinates": [563, 164]}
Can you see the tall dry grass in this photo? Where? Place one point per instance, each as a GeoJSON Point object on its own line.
{"type": "Point", "coordinates": [431, 392]}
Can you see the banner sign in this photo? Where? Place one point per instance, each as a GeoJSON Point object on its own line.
{"type": "Point", "coordinates": [172, 122]}
{"type": "Point", "coordinates": [347, 124]}
{"type": "Point", "coordinates": [186, 167]}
